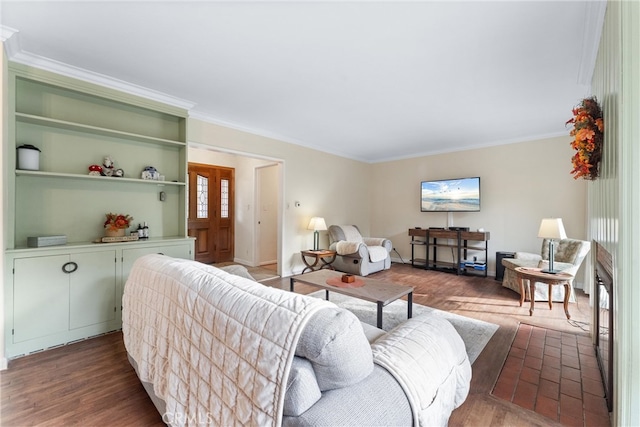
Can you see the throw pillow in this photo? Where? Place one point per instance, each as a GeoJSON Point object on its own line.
{"type": "Point", "coordinates": [336, 346]}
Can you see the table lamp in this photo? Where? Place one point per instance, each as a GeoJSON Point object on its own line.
{"type": "Point", "coordinates": [551, 228]}
{"type": "Point", "coordinates": [316, 224]}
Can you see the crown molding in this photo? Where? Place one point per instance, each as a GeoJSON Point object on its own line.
{"type": "Point", "coordinates": [16, 54]}
{"type": "Point", "coordinates": [594, 21]}
{"type": "Point", "coordinates": [9, 37]}
{"type": "Point", "coordinates": [266, 134]}
{"type": "Point", "coordinates": [448, 150]}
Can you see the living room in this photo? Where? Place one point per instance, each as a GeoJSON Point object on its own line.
{"type": "Point", "coordinates": [522, 182]}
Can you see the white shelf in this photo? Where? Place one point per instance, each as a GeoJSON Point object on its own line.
{"type": "Point", "coordinates": [78, 127]}
{"type": "Point", "coordinates": [109, 179]}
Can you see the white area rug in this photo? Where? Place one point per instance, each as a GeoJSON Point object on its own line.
{"type": "Point", "coordinates": [474, 333]}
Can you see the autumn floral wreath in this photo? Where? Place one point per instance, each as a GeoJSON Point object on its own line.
{"type": "Point", "coordinates": [588, 133]}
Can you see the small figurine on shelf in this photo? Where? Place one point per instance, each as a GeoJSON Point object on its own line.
{"type": "Point", "coordinates": [107, 166]}
{"type": "Point", "coordinates": [95, 170]}
{"type": "Point", "coordinates": [150, 173]}
{"type": "Point", "coordinates": [118, 173]}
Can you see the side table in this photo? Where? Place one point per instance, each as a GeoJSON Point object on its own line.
{"type": "Point", "coordinates": [326, 256]}
{"type": "Point", "coordinates": [533, 275]}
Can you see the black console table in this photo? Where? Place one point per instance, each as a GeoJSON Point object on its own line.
{"type": "Point", "coordinates": [461, 243]}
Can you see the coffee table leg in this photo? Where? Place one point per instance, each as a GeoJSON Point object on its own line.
{"type": "Point", "coordinates": [379, 323]}
{"type": "Point", "coordinates": [410, 305]}
{"type": "Point", "coordinates": [522, 291]}
{"type": "Point", "coordinates": [550, 300]}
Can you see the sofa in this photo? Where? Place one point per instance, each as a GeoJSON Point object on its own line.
{"type": "Point", "coordinates": [569, 254]}
{"type": "Point", "coordinates": [357, 254]}
{"type": "Point", "coordinates": [216, 348]}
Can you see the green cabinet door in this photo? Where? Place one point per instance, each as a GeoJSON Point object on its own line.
{"type": "Point", "coordinates": [40, 297]}
{"type": "Point", "coordinates": [92, 289]}
{"type": "Point", "coordinates": [129, 256]}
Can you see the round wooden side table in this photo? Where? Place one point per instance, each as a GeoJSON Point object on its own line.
{"type": "Point", "coordinates": [533, 275]}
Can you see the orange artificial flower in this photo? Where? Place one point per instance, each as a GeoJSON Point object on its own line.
{"type": "Point", "coordinates": [115, 221]}
{"type": "Point", "coordinates": [588, 133]}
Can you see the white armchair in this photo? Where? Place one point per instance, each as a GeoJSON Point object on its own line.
{"type": "Point", "coordinates": [568, 256]}
{"type": "Point", "coordinates": [356, 254]}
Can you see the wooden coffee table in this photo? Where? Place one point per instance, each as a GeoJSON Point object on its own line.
{"type": "Point", "coordinates": [378, 291]}
{"type": "Point", "coordinates": [533, 275]}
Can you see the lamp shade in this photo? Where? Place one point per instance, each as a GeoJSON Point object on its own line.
{"type": "Point", "coordinates": [552, 228]}
{"type": "Point", "coordinates": [317, 223]}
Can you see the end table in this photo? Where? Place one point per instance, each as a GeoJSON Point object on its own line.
{"type": "Point", "coordinates": [533, 275]}
{"type": "Point", "coordinates": [324, 255]}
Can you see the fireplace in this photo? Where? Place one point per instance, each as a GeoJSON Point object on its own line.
{"type": "Point", "coordinates": [604, 318]}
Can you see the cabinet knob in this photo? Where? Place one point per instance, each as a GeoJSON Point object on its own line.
{"type": "Point", "coordinates": [69, 267]}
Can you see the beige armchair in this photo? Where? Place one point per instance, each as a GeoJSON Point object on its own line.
{"type": "Point", "coordinates": [356, 254]}
{"type": "Point", "coordinates": [569, 254]}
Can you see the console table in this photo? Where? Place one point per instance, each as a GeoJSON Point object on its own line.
{"type": "Point", "coordinates": [458, 242]}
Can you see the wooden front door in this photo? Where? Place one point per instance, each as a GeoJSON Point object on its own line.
{"type": "Point", "coordinates": [211, 213]}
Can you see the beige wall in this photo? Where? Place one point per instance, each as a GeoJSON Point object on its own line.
{"type": "Point", "coordinates": [520, 184]}
{"type": "Point", "coordinates": [325, 185]}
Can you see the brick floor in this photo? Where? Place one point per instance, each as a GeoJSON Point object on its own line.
{"type": "Point", "coordinates": [556, 375]}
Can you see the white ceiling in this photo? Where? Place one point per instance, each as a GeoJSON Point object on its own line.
{"type": "Point", "coordinates": [371, 81]}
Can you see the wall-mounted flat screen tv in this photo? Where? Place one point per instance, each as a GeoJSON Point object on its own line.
{"type": "Point", "coordinates": [450, 195]}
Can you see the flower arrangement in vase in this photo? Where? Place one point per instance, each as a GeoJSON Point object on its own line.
{"type": "Point", "coordinates": [115, 224]}
{"type": "Point", "coordinates": [588, 133]}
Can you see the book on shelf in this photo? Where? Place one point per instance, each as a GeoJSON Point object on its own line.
{"type": "Point", "coordinates": [119, 239]}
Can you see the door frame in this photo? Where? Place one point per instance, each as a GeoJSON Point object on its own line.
{"type": "Point", "coordinates": [281, 189]}
{"type": "Point", "coordinates": [257, 209]}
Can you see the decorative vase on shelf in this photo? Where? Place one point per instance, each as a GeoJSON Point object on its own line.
{"type": "Point", "coordinates": [113, 232]}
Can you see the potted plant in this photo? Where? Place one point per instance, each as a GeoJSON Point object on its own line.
{"type": "Point", "coordinates": [116, 224]}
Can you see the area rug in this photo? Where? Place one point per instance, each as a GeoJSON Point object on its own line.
{"type": "Point", "coordinates": [474, 333]}
{"type": "Point", "coordinates": [259, 274]}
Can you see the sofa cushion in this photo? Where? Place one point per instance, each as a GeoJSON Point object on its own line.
{"type": "Point", "coordinates": [336, 346]}
{"type": "Point", "coordinates": [302, 388]}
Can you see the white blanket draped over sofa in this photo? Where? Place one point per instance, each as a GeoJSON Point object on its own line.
{"type": "Point", "coordinates": [213, 349]}
{"type": "Point", "coordinates": [218, 348]}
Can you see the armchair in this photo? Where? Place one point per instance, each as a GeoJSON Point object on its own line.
{"type": "Point", "coordinates": [356, 254]}
{"type": "Point", "coordinates": [569, 255]}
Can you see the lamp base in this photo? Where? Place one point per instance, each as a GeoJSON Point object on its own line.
{"type": "Point", "coordinates": [550, 271]}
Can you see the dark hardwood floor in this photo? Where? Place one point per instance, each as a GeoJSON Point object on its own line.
{"type": "Point", "coordinates": [91, 383]}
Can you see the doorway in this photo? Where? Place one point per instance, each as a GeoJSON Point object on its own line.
{"type": "Point", "coordinates": [267, 178]}
{"type": "Point", "coordinates": [211, 212]}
